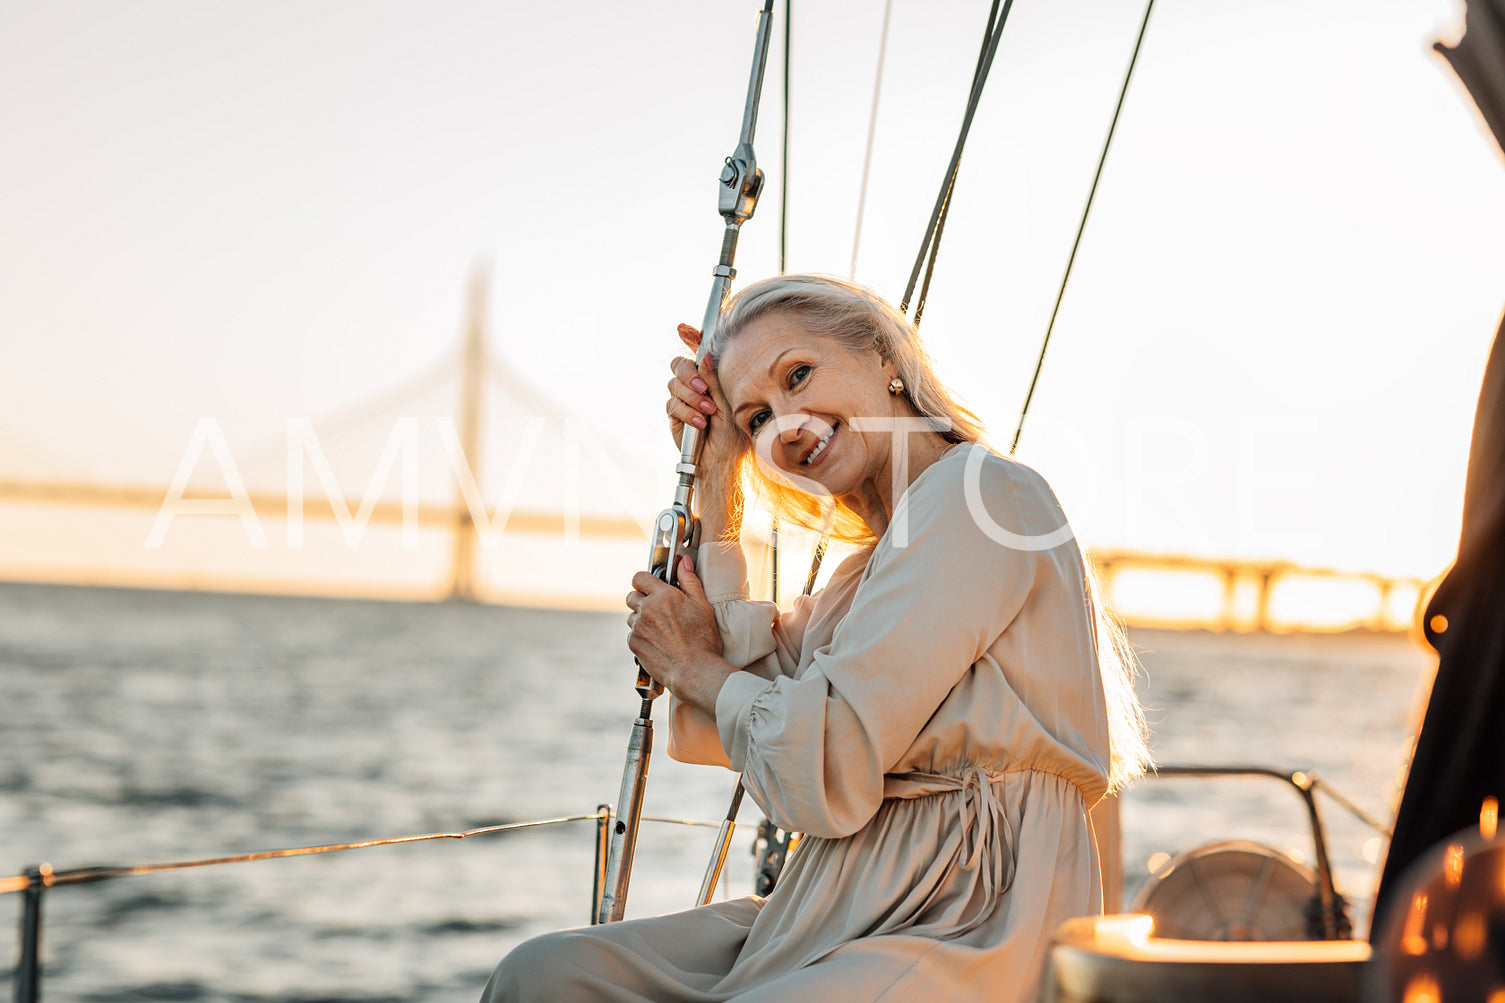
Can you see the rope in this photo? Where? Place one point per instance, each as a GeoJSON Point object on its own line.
{"type": "Point", "coordinates": [872, 129]}
{"type": "Point", "coordinates": [1081, 227]}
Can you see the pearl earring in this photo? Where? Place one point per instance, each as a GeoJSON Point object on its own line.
{"type": "Point", "coordinates": [896, 386]}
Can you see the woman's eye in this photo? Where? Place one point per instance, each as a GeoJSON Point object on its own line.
{"type": "Point", "coordinates": [756, 422]}
{"type": "Point", "coordinates": [798, 374]}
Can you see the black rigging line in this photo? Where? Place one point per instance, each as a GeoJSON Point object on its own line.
{"type": "Point", "coordinates": [1081, 227]}
{"type": "Point", "coordinates": [940, 227]}
{"type": "Point", "coordinates": [996, 21]}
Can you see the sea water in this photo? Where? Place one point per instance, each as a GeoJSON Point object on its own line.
{"type": "Point", "coordinates": [141, 727]}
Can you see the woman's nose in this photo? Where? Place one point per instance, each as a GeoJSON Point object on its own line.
{"type": "Point", "coordinates": [791, 428]}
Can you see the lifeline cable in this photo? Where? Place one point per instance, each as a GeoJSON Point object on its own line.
{"type": "Point", "coordinates": [51, 878]}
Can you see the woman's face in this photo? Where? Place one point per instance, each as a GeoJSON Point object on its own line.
{"type": "Point", "coordinates": [796, 394]}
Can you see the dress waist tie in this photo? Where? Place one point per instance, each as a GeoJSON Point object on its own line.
{"type": "Point", "coordinates": [986, 837]}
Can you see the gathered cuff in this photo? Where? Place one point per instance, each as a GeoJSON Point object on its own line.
{"type": "Point", "coordinates": [734, 706]}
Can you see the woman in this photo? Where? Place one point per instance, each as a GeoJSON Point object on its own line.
{"type": "Point", "coordinates": [936, 720]}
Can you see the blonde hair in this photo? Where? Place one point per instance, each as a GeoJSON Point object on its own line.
{"type": "Point", "coordinates": [1128, 734]}
{"type": "Point", "coordinates": [859, 320]}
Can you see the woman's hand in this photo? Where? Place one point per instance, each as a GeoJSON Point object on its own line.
{"type": "Point", "coordinates": [674, 636]}
{"type": "Point", "coordinates": [695, 398]}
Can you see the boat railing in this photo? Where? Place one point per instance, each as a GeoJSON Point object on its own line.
{"type": "Point", "coordinates": [35, 880]}
{"type": "Point", "coordinates": [1327, 916]}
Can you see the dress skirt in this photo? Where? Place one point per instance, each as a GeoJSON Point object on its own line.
{"type": "Point", "coordinates": [928, 901]}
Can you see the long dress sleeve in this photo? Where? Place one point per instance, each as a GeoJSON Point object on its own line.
{"type": "Point", "coordinates": [938, 589]}
{"type": "Point", "coordinates": [754, 636]}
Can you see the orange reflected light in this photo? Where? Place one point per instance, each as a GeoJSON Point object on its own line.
{"type": "Point", "coordinates": [1438, 623]}
{"type": "Point", "coordinates": [1411, 939]}
{"type": "Point", "coordinates": [1452, 866]}
{"type": "Point", "coordinates": [1489, 818]}
{"type": "Point", "coordinates": [1422, 989]}
{"type": "Point", "coordinates": [1469, 937]}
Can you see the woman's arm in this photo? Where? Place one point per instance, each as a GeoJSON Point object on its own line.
{"type": "Point", "coordinates": [745, 628]}
{"type": "Point", "coordinates": [814, 750]}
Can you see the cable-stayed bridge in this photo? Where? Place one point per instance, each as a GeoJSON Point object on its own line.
{"type": "Point", "coordinates": [466, 446]}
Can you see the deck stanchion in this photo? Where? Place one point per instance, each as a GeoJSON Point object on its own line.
{"type": "Point", "coordinates": [1328, 919]}
{"type": "Point", "coordinates": [603, 843]}
{"type": "Point", "coordinates": [29, 966]}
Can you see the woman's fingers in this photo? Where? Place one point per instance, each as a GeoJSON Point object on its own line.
{"type": "Point", "coordinates": [689, 401]}
{"type": "Point", "coordinates": [695, 396]}
{"type": "Point", "coordinates": [679, 413]}
{"type": "Point", "coordinates": [689, 386]}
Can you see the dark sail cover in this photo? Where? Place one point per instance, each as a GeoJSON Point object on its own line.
{"type": "Point", "coordinates": [1460, 753]}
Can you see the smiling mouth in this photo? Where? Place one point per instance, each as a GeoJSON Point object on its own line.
{"type": "Point", "coordinates": [819, 449]}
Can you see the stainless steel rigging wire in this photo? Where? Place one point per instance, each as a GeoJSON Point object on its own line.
{"type": "Point", "coordinates": [1081, 227]}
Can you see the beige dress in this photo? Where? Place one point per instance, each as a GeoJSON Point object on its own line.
{"type": "Point", "coordinates": [934, 722]}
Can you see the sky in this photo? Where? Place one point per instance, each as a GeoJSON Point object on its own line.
{"type": "Point", "coordinates": [1271, 344]}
